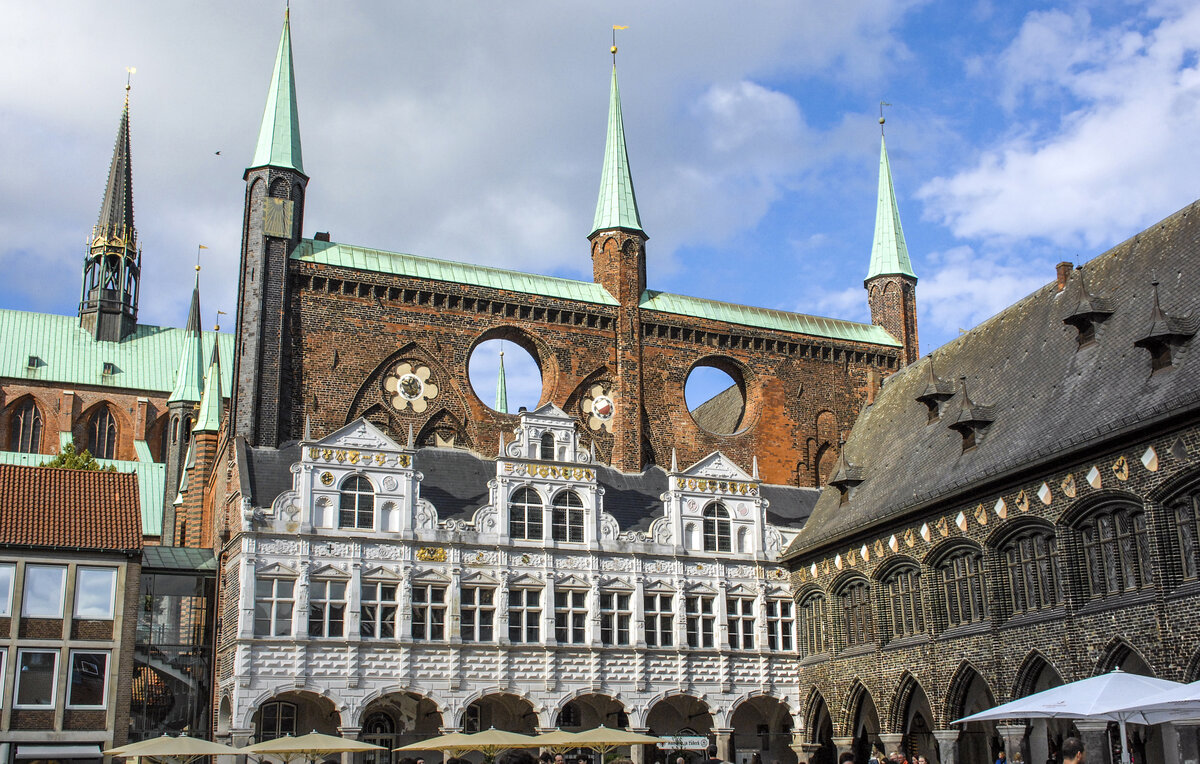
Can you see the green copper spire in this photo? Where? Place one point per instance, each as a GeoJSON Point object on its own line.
{"type": "Point", "coordinates": [501, 389]}
{"type": "Point", "coordinates": [889, 253]}
{"type": "Point", "coordinates": [211, 407]}
{"type": "Point", "coordinates": [279, 136]}
{"type": "Point", "coordinates": [617, 205]}
{"type": "Point", "coordinates": [189, 380]}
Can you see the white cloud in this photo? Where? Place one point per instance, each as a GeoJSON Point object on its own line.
{"type": "Point", "coordinates": [966, 286]}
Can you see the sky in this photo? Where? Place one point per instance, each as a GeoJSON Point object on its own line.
{"type": "Point", "coordinates": [1020, 135]}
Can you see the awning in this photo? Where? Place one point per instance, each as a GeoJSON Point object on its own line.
{"type": "Point", "coordinates": [26, 752]}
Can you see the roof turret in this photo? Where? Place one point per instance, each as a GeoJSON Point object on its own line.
{"type": "Point", "coordinates": [889, 253]}
{"type": "Point", "coordinates": [189, 380]}
{"type": "Point", "coordinates": [279, 136]}
{"type": "Point", "coordinates": [617, 204]}
{"type": "Point", "coordinates": [212, 408]}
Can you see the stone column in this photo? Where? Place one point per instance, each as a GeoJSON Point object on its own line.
{"type": "Point", "coordinates": [843, 744]}
{"type": "Point", "coordinates": [240, 738]}
{"type": "Point", "coordinates": [892, 741]}
{"type": "Point", "coordinates": [805, 751]}
{"type": "Point", "coordinates": [1013, 736]}
{"type": "Point", "coordinates": [947, 741]}
{"type": "Point", "coordinates": [724, 743]}
{"type": "Point", "coordinates": [1095, 741]}
{"type": "Point", "coordinates": [1187, 741]}
{"type": "Point", "coordinates": [638, 752]}
{"type": "Point", "coordinates": [1039, 745]}
{"type": "Point", "coordinates": [352, 733]}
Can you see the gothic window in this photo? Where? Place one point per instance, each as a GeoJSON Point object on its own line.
{"type": "Point", "coordinates": [1187, 536]}
{"type": "Point", "coordinates": [616, 614]}
{"type": "Point", "coordinates": [716, 528]}
{"type": "Point", "coordinates": [904, 603]}
{"type": "Point", "coordinates": [659, 610]}
{"type": "Point", "coordinates": [701, 620]}
{"type": "Point", "coordinates": [327, 609]}
{"type": "Point", "coordinates": [570, 616]}
{"type": "Point", "coordinates": [814, 620]}
{"type": "Point", "coordinates": [187, 430]}
{"type": "Point", "coordinates": [26, 428]}
{"type": "Point", "coordinates": [273, 600]}
{"type": "Point", "coordinates": [357, 504]}
{"type": "Point", "coordinates": [546, 447]}
{"type": "Point", "coordinates": [102, 434]}
{"type": "Point", "coordinates": [740, 614]}
{"type": "Point", "coordinates": [276, 720]}
{"type": "Point", "coordinates": [1116, 551]}
{"type": "Point", "coordinates": [524, 615]}
{"type": "Point", "coordinates": [525, 515]}
{"type": "Point", "coordinates": [478, 613]}
{"type": "Point", "coordinates": [428, 612]}
{"type": "Point", "coordinates": [1032, 572]}
{"type": "Point", "coordinates": [379, 607]}
{"type": "Point", "coordinates": [781, 629]}
{"type": "Point", "coordinates": [567, 517]}
{"type": "Point", "coordinates": [856, 613]}
{"type": "Point", "coordinates": [961, 576]}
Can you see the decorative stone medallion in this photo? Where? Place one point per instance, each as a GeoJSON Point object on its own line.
{"type": "Point", "coordinates": [599, 406]}
{"type": "Point", "coordinates": [409, 385]}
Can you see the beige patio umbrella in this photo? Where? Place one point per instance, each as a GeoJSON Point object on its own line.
{"type": "Point", "coordinates": [454, 741]}
{"type": "Point", "coordinates": [557, 741]}
{"type": "Point", "coordinates": [491, 741]}
{"type": "Point", "coordinates": [314, 745]}
{"type": "Point", "coordinates": [182, 748]}
{"type": "Point", "coordinates": [604, 739]}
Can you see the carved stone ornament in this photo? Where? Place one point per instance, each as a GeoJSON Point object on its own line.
{"type": "Point", "coordinates": [598, 407]}
{"type": "Point", "coordinates": [609, 530]}
{"type": "Point", "coordinates": [661, 530]}
{"type": "Point", "coordinates": [389, 483]}
{"type": "Point", "coordinates": [409, 385]}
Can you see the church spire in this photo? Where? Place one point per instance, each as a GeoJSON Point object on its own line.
{"type": "Point", "coordinates": [889, 253]}
{"type": "Point", "coordinates": [617, 204]}
{"type": "Point", "coordinates": [189, 379]}
{"type": "Point", "coordinates": [501, 388]}
{"type": "Point", "coordinates": [211, 406]}
{"type": "Point", "coordinates": [279, 136]}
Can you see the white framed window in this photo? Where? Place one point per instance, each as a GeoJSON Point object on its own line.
{"type": "Point", "coordinates": [379, 607]}
{"type": "Point", "coordinates": [659, 611]}
{"type": "Point", "coordinates": [567, 517]}
{"type": "Point", "coordinates": [44, 588]}
{"type": "Point", "coordinates": [327, 609]}
{"type": "Point", "coordinates": [616, 614]}
{"type": "Point", "coordinates": [781, 628]}
{"type": "Point", "coordinates": [478, 613]}
{"type": "Point", "coordinates": [273, 601]}
{"type": "Point", "coordinates": [357, 504]}
{"type": "Point", "coordinates": [8, 574]}
{"type": "Point", "coordinates": [37, 672]}
{"type": "Point", "coordinates": [525, 615]}
{"type": "Point", "coordinates": [428, 612]}
{"type": "Point", "coordinates": [88, 686]}
{"type": "Point", "coordinates": [716, 528]}
{"type": "Point", "coordinates": [570, 616]}
{"type": "Point", "coordinates": [740, 611]}
{"type": "Point", "coordinates": [525, 514]}
{"type": "Point", "coordinates": [95, 592]}
{"type": "Point", "coordinates": [701, 620]}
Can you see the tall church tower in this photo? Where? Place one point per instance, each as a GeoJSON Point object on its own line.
{"type": "Point", "coordinates": [112, 268]}
{"type": "Point", "coordinates": [619, 265]}
{"type": "Point", "coordinates": [891, 284]}
{"type": "Point", "coordinates": [181, 411]}
{"type": "Point", "coordinates": [272, 220]}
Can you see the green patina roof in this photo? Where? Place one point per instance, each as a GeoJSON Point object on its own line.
{"type": "Point", "coordinates": [146, 360]}
{"type": "Point", "coordinates": [501, 389]}
{"type": "Point", "coordinates": [765, 318]}
{"type": "Point", "coordinates": [151, 477]}
{"type": "Point", "coordinates": [189, 381]}
{"type": "Point", "coordinates": [211, 407]}
{"type": "Point", "coordinates": [889, 253]}
{"type": "Point", "coordinates": [360, 258]}
{"type": "Point", "coordinates": [279, 136]}
{"type": "Point", "coordinates": [617, 205]}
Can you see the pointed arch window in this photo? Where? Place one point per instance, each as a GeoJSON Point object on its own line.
{"type": "Point", "coordinates": [26, 427]}
{"type": "Point", "coordinates": [814, 618]}
{"type": "Point", "coordinates": [357, 504]}
{"type": "Point", "coordinates": [961, 575]}
{"type": "Point", "coordinates": [716, 528]}
{"type": "Point", "coordinates": [1116, 550]}
{"type": "Point", "coordinates": [856, 613]}
{"type": "Point", "coordinates": [525, 515]}
{"type": "Point", "coordinates": [567, 517]}
{"type": "Point", "coordinates": [1187, 536]}
{"type": "Point", "coordinates": [102, 434]}
{"type": "Point", "coordinates": [1034, 578]}
{"type": "Point", "coordinates": [904, 602]}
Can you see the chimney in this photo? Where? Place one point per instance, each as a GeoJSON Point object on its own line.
{"type": "Point", "coordinates": [321, 236]}
{"type": "Point", "coordinates": [1064, 272]}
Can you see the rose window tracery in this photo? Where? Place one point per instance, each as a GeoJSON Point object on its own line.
{"type": "Point", "coordinates": [599, 405]}
{"type": "Point", "coordinates": [408, 385]}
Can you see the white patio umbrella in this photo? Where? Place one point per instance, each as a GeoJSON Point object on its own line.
{"type": "Point", "coordinates": [1091, 698]}
{"type": "Point", "coordinates": [1177, 704]}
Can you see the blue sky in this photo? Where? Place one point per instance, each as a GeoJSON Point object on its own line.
{"type": "Point", "coordinates": [1020, 134]}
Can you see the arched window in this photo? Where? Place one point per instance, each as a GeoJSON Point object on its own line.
{"type": "Point", "coordinates": [856, 613]}
{"type": "Point", "coordinates": [814, 622]}
{"type": "Point", "coordinates": [187, 430]}
{"type": "Point", "coordinates": [525, 515]}
{"type": "Point", "coordinates": [904, 602]}
{"type": "Point", "coordinates": [26, 427]}
{"type": "Point", "coordinates": [569, 716]}
{"type": "Point", "coordinates": [1116, 551]}
{"type": "Point", "coordinates": [276, 720]}
{"type": "Point", "coordinates": [1032, 571]}
{"type": "Point", "coordinates": [961, 575]}
{"type": "Point", "coordinates": [358, 504]}
{"type": "Point", "coordinates": [1187, 536]}
{"type": "Point", "coordinates": [716, 528]}
{"type": "Point", "coordinates": [546, 448]}
{"type": "Point", "coordinates": [102, 434]}
{"type": "Point", "coordinates": [174, 430]}
{"type": "Point", "coordinates": [567, 517]}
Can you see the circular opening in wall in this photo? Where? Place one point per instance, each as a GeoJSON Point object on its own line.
{"type": "Point", "coordinates": [715, 396]}
{"type": "Point", "coordinates": [522, 379]}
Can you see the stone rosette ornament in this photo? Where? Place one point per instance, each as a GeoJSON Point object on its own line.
{"type": "Point", "coordinates": [409, 385]}
{"type": "Point", "coordinates": [598, 407]}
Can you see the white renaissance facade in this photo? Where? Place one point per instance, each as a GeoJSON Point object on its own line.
{"type": "Point", "coordinates": [360, 610]}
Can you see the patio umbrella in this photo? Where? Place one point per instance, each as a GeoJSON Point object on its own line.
{"type": "Point", "coordinates": [604, 739]}
{"type": "Point", "coordinates": [314, 745]}
{"type": "Point", "coordinates": [491, 741]}
{"type": "Point", "coordinates": [557, 741]}
{"type": "Point", "coordinates": [182, 748]}
{"type": "Point", "coordinates": [1091, 698]}
{"type": "Point", "coordinates": [454, 741]}
{"type": "Point", "coordinates": [1177, 704]}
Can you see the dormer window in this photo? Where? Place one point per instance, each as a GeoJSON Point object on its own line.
{"type": "Point", "coordinates": [1089, 311]}
{"type": "Point", "coordinates": [936, 393]}
{"type": "Point", "coordinates": [973, 420]}
{"type": "Point", "coordinates": [109, 369]}
{"type": "Point", "coordinates": [846, 476]}
{"type": "Point", "coordinates": [546, 449]}
{"type": "Point", "coordinates": [1167, 333]}
{"type": "Point", "coordinates": [33, 362]}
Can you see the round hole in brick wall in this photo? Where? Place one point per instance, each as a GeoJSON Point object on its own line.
{"type": "Point", "coordinates": [715, 394]}
{"type": "Point", "coordinates": [522, 377]}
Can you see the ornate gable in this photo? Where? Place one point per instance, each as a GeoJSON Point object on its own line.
{"type": "Point", "coordinates": [717, 465]}
{"type": "Point", "coordinates": [360, 434]}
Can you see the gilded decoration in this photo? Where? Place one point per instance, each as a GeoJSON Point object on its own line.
{"type": "Point", "coordinates": [1120, 468]}
{"type": "Point", "coordinates": [326, 478]}
{"type": "Point", "coordinates": [431, 554]}
{"type": "Point", "coordinates": [408, 385]}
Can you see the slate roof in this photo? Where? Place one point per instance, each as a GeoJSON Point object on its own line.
{"type": "Point", "coordinates": [721, 413]}
{"type": "Point", "coordinates": [456, 484]}
{"type": "Point", "coordinates": [1045, 394]}
{"type": "Point", "coordinates": [75, 509]}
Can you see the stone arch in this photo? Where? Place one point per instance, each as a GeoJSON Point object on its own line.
{"type": "Point", "coordinates": [1084, 506]}
{"type": "Point", "coordinates": [443, 429]}
{"type": "Point", "coordinates": [1036, 673]}
{"type": "Point", "coordinates": [280, 189]}
{"type": "Point", "coordinates": [316, 709]}
{"type": "Point", "coordinates": [506, 709]}
{"type": "Point", "coordinates": [371, 392]}
{"type": "Point", "coordinates": [970, 693]}
{"type": "Point", "coordinates": [543, 356]}
{"type": "Point", "coordinates": [594, 708]}
{"type": "Point", "coordinates": [672, 712]}
{"type": "Point", "coordinates": [912, 716]}
{"type": "Point", "coordinates": [743, 379]}
{"type": "Point", "coordinates": [943, 549]}
{"type": "Point", "coordinates": [763, 722]}
{"type": "Point", "coordinates": [79, 429]}
{"type": "Point", "coordinates": [413, 715]}
{"type": "Point", "coordinates": [818, 727]}
{"type": "Point", "coordinates": [1014, 526]}
{"type": "Point", "coordinates": [1120, 654]}
{"type": "Point", "coordinates": [224, 716]}
{"type": "Point", "coordinates": [46, 428]}
{"type": "Point", "coordinates": [860, 720]}
{"type": "Point", "coordinates": [378, 415]}
{"type": "Point", "coordinates": [891, 565]}
{"type": "Point", "coordinates": [1192, 672]}
{"type": "Point", "coordinates": [158, 437]}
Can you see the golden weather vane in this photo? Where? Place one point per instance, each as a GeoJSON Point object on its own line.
{"type": "Point", "coordinates": [881, 119]}
{"type": "Point", "coordinates": [614, 42]}
{"type": "Point", "coordinates": [198, 248]}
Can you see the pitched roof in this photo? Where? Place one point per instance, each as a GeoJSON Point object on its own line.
{"type": "Point", "coordinates": [889, 252]}
{"type": "Point", "coordinates": [146, 360]}
{"type": "Point", "coordinates": [279, 137]}
{"type": "Point", "coordinates": [78, 509]}
{"type": "Point", "coordinates": [616, 206]}
{"type": "Point", "coordinates": [1045, 395]}
{"type": "Point", "coordinates": [721, 413]}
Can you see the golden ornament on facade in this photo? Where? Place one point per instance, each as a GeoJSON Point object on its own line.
{"type": "Point", "coordinates": [1120, 468]}
{"type": "Point", "coordinates": [1068, 486]}
{"type": "Point", "coordinates": [326, 478]}
{"type": "Point", "coordinates": [431, 554]}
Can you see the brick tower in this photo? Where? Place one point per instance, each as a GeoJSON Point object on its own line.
{"type": "Point", "coordinates": [891, 284]}
{"type": "Point", "coordinates": [619, 265]}
{"type": "Point", "coordinates": [272, 220]}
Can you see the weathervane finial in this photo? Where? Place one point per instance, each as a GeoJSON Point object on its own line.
{"type": "Point", "coordinates": [881, 119]}
{"type": "Point", "coordinates": [614, 42]}
{"type": "Point", "coordinates": [129, 72]}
